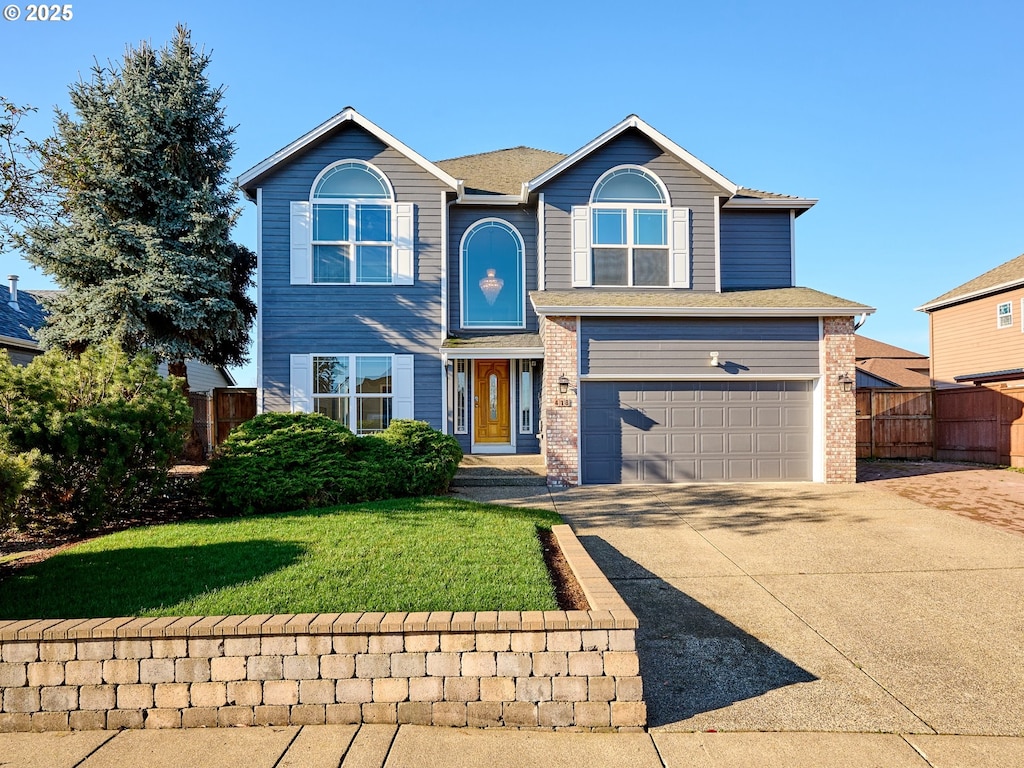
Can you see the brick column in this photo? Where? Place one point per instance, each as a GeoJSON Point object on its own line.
{"type": "Point", "coordinates": [840, 406]}
{"type": "Point", "coordinates": [561, 420]}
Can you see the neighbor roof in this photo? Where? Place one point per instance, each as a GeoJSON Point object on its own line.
{"type": "Point", "coordinates": [874, 348]}
{"type": "Point", "coordinates": [1007, 275]}
{"type": "Point", "coordinates": [17, 324]}
{"type": "Point", "coordinates": [805, 302]}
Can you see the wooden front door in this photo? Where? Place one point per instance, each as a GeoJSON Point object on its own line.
{"type": "Point", "coordinates": [491, 421]}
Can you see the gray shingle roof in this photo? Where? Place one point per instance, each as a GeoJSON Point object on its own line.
{"type": "Point", "coordinates": [1007, 274]}
{"type": "Point", "coordinates": [17, 324]}
{"type": "Point", "coordinates": [774, 301]}
{"type": "Point", "coordinates": [504, 341]}
{"type": "Point", "coordinates": [501, 172]}
{"type": "Point", "coordinates": [504, 171]}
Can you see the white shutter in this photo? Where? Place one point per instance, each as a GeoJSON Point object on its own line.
{"type": "Point", "coordinates": [402, 387]}
{"type": "Point", "coordinates": [403, 255]}
{"type": "Point", "coordinates": [302, 384]}
{"type": "Point", "coordinates": [580, 245]}
{"type": "Point", "coordinates": [679, 258]}
{"type": "Point", "coordinates": [301, 226]}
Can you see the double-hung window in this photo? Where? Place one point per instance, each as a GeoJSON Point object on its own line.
{"type": "Point", "coordinates": [1004, 314]}
{"type": "Point", "coordinates": [351, 231]}
{"type": "Point", "coordinates": [630, 230]}
{"type": "Point", "coordinates": [352, 226]}
{"type": "Point", "coordinates": [630, 235]}
{"type": "Point", "coordinates": [363, 392]}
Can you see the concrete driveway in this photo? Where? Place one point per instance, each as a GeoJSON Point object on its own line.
{"type": "Point", "coordinates": [797, 607]}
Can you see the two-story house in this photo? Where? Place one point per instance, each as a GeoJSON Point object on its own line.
{"type": "Point", "coordinates": [977, 329]}
{"type": "Point", "coordinates": [625, 310]}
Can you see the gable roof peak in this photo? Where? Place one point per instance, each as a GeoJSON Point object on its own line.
{"type": "Point", "coordinates": [634, 122]}
{"type": "Point", "coordinates": [247, 180]}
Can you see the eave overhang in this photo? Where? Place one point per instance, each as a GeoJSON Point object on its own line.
{"type": "Point", "coordinates": [971, 295]}
{"type": "Point", "coordinates": [656, 136]}
{"type": "Point", "coordinates": [247, 181]}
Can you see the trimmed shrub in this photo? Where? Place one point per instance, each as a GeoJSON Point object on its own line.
{"type": "Point", "coordinates": [98, 433]}
{"type": "Point", "coordinates": [286, 461]}
{"type": "Point", "coordinates": [280, 461]}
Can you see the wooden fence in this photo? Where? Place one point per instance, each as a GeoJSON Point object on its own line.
{"type": "Point", "coordinates": [976, 424]}
{"type": "Point", "coordinates": [982, 424]}
{"type": "Point", "coordinates": [216, 413]}
{"type": "Point", "coordinates": [895, 423]}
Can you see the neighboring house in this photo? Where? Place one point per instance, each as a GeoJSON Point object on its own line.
{"type": "Point", "coordinates": [977, 329]}
{"type": "Point", "coordinates": [883, 365]}
{"type": "Point", "coordinates": [625, 310]}
{"type": "Point", "coordinates": [22, 313]}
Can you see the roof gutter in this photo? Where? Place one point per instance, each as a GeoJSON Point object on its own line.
{"type": "Point", "coordinates": [616, 311]}
{"type": "Point", "coordinates": [933, 305]}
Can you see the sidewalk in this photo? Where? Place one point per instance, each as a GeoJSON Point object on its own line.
{"type": "Point", "coordinates": [388, 746]}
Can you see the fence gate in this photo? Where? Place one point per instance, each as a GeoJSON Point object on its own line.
{"type": "Point", "coordinates": [895, 423]}
{"type": "Point", "coordinates": [231, 407]}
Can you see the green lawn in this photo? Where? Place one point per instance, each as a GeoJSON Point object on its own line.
{"type": "Point", "coordinates": [426, 554]}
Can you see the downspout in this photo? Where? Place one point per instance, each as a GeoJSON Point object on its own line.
{"type": "Point", "coordinates": [859, 323]}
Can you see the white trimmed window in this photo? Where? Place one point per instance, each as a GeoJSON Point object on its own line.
{"type": "Point", "coordinates": [351, 231]}
{"type": "Point", "coordinates": [629, 235]}
{"type": "Point", "coordinates": [525, 399]}
{"type": "Point", "coordinates": [461, 397]}
{"type": "Point", "coordinates": [363, 392]}
{"type": "Point", "coordinates": [1004, 314]}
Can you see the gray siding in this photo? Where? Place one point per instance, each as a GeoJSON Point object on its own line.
{"type": "Point", "coordinates": [301, 319]}
{"type": "Point", "coordinates": [756, 248]}
{"type": "Point", "coordinates": [461, 218]}
{"type": "Point", "coordinates": [20, 356]}
{"type": "Point", "coordinates": [201, 377]}
{"type": "Point", "coordinates": [686, 187]}
{"type": "Point", "coordinates": [666, 347]}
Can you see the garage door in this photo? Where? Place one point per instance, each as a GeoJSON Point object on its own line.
{"type": "Point", "coordinates": [676, 431]}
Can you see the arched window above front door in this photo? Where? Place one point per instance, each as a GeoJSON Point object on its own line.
{"type": "Point", "coordinates": [493, 276]}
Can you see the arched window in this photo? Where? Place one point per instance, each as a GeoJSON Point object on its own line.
{"type": "Point", "coordinates": [630, 239]}
{"type": "Point", "coordinates": [352, 214]}
{"type": "Point", "coordinates": [493, 274]}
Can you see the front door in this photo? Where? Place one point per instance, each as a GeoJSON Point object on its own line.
{"type": "Point", "coordinates": [491, 421]}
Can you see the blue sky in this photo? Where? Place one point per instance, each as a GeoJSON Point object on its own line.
{"type": "Point", "coordinates": [904, 118]}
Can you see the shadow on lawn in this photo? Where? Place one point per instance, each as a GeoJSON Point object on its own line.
{"type": "Point", "coordinates": [692, 659]}
{"type": "Point", "coordinates": [133, 581]}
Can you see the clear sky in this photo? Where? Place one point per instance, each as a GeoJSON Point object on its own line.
{"type": "Point", "coordinates": [906, 119]}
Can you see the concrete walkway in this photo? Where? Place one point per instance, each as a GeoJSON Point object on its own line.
{"type": "Point", "coordinates": [805, 625]}
{"type": "Point", "coordinates": [411, 746]}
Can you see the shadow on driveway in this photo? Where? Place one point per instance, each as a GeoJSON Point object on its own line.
{"type": "Point", "coordinates": [692, 659]}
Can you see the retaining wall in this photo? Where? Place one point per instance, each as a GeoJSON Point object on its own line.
{"type": "Point", "coordinates": [547, 669]}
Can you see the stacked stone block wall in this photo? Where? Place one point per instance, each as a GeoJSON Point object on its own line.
{"type": "Point", "coordinates": [840, 406]}
{"type": "Point", "coordinates": [561, 410]}
{"type": "Point", "coordinates": [533, 669]}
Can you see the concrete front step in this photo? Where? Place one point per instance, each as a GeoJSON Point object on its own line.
{"type": "Point", "coordinates": [501, 470]}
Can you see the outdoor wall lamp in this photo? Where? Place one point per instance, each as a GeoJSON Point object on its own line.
{"type": "Point", "coordinates": [714, 360]}
{"type": "Point", "coordinates": [846, 382]}
{"type": "Point", "coordinates": [563, 384]}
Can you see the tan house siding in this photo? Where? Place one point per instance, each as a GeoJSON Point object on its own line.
{"type": "Point", "coordinates": [967, 340]}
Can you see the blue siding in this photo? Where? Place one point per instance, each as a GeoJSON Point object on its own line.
{"type": "Point", "coordinates": [461, 218]}
{"type": "Point", "coordinates": [686, 187]}
{"type": "Point", "coordinates": [666, 347]}
{"type": "Point", "coordinates": [756, 249]}
{"type": "Point", "coordinates": [301, 319]}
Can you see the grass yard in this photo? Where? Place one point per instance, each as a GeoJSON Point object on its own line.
{"type": "Point", "coordinates": [425, 554]}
